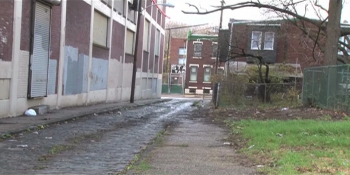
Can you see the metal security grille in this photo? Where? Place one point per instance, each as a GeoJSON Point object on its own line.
{"type": "Point", "coordinates": [40, 57]}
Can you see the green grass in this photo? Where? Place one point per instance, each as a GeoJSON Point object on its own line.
{"type": "Point", "coordinates": [298, 146]}
{"type": "Point", "coordinates": [142, 166]}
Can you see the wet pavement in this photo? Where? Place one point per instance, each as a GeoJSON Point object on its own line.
{"type": "Point", "coordinates": [101, 144]}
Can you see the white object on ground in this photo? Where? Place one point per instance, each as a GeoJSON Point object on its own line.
{"type": "Point", "coordinates": [284, 109]}
{"type": "Point", "coordinates": [22, 146]}
{"type": "Point", "coordinates": [30, 112]}
{"type": "Point", "coordinates": [227, 143]}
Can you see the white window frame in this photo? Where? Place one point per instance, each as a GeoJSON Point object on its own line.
{"type": "Point", "coordinates": [184, 60]}
{"type": "Point", "coordinates": [197, 42]}
{"type": "Point", "coordinates": [252, 41]}
{"type": "Point", "coordinates": [197, 67]}
{"type": "Point", "coordinates": [184, 49]}
{"type": "Point", "coordinates": [204, 73]}
{"type": "Point", "coordinates": [273, 40]}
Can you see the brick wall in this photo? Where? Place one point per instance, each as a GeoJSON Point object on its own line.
{"type": "Point", "coordinates": [175, 44]}
{"type": "Point", "coordinates": [55, 39]}
{"type": "Point", "coordinates": [78, 25]}
{"type": "Point", "coordinates": [206, 59]}
{"type": "Point", "coordinates": [26, 25]}
{"type": "Point", "coordinates": [151, 58]}
{"type": "Point", "coordinates": [117, 49]}
{"type": "Point", "coordinates": [6, 29]}
{"type": "Point", "coordinates": [298, 47]}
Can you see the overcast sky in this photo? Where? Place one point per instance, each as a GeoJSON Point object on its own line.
{"type": "Point", "coordinates": [246, 13]}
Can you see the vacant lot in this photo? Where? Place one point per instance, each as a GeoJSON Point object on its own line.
{"type": "Point", "coordinates": [289, 141]}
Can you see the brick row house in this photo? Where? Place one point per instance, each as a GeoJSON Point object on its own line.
{"type": "Point", "coordinates": [279, 42]}
{"type": "Point", "coordinates": [65, 53]}
{"type": "Point", "coordinates": [200, 63]}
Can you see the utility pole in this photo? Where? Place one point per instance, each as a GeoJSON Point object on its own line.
{"type": "Point", "coordinates": [215, 90]}
{"type": "Point", "coordinates": [133, 82]}
{"type": "Point", "coordinates": [168, 61]}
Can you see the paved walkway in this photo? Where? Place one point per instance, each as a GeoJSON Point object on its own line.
{"type": "Point", "coordinates": [194, 148]}
{"type": "Point", "coordinates": [22, 123]}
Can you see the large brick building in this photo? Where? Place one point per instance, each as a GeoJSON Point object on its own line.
{"type": "Point", "coordinates": [77, 52]}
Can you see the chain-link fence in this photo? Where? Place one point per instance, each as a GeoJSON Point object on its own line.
{"type": "Point", "coordinates": [238, 93]}
{"type": "Point", "coordinates": [175, 85]}
{"type": "Point", "coordinates": [327, 87]}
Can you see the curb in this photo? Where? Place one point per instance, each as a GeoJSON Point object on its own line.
{"type": "Point", "coordinates": [77, 116]}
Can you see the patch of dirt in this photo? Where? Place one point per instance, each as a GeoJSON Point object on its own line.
{"type": "Point", "coordinates": [275, 114]}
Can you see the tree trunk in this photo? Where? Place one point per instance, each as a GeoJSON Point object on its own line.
{"type": "Point", "coordinates": [333, 32]}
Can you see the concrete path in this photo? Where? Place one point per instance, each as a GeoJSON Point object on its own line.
{"type": "Point", "coordinates": [194, 148]}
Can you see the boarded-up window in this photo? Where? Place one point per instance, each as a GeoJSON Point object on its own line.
{"type": "Point", "coordinates": [193, 73]}
{"type": "Point", "coordinates": [156, 45]}
{"type": "Point", "coordinates": [129, 42]}
{"type": "Point", "coordinates": [197, 49]}
{"type": "Point", "coordinates": [207, 73]}
{"type": "Point", "coordinates": [119, 6]}
{"type": "Point", "coordinates": [100, 29]}
{"type": "Point", "coordinates": [146, 36]}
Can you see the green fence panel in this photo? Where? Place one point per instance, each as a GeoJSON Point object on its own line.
{"type": "Point", "coordinates": [327, 87]}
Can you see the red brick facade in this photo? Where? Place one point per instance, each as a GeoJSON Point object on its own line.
{"type": "Point", "coordinates": [6, 29]}
{"type": "Point", "coordinates": [207, 59]}
{"type": "Point", "coordinates": [175, 45]}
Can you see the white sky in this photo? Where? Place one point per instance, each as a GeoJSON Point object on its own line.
{"type": "Point", "coordinates": [246, 13]}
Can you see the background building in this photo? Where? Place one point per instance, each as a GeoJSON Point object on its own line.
{"type": "Point", "coordinates": [201, 58]}
{"type": "Point", "coordinates": [77, 52]}
{"type": "Point", "coordinates": [177, 63]}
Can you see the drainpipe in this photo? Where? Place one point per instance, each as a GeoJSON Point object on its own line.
{"type": "Point", "coordinates": [16, 49]}
{"type": "Point", "coordinates": [62, 54]}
